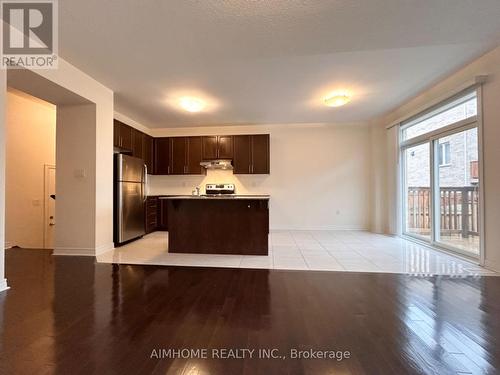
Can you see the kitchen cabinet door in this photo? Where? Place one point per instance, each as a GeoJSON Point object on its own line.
{"type": "Point", "coordinates": [162, 214]}
{"type": "Point", "coordinates": [126, 137]}
{"type": "Point", "coordinates": [209, 147]}
{"type": "Point", "coordinates": [116, 133]}
{"type": "Point", "coordinates": [178, 149]}
{"type": "Point", "coordinates": [122, 135]}
{"type": "Point", "coordinates": [194, 156]}
{"type": "Point", "coordinates": [148, 152]}
{"type": "Point", "coordinates": [242, 154]}
{"type": "Point", "coordinates": [225, 147]}
{"type": "Point", "coordinates": [161, 162]}
{"type": "Point", "coordinates": [151, 216]}
{"type": "Point", "coordinates": [260, 154]}
{"type": "Point", "coordinates": [137, 144]}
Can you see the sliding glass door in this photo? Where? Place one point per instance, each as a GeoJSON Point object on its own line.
{"type": "Point", "coordinates": [417, 177]}
{"type": "Point", "coordinates": [458, 187]}
{"type": "Point", "coordinates": [441, 176]}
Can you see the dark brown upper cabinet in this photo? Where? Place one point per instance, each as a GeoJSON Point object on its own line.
{"type": "Point", "coordinates": [225, 146]}
{"type": "Point", "coordinates": [148, 152]}
{"type": "Point", "coordinates": [116, 133]}
{"type": "Point", "coordinates": [217, 147]}
{"type": "Point", "coordinates": [242, 159]}
{"type": "Point", "coordinates": [138, 144]}
{"type": "Point", "coordinates": [260, 154]}
{"type": "Point", "coordinates": [122, 135]}
{"type": "Point", "coordinates": [193, 156]}
{"type": "Point", "coordinates": [161, 162]}
{"type": "Point", "coordinates": [251, 154]}
{"type": "Point", "coordinates": [209, 147]}
{"type": "Point", "coordinates": [186, 155]}
{"type": "Point", "coordinates": [182, 155]}
{"type": "Point", "coordinates": [178, 151]}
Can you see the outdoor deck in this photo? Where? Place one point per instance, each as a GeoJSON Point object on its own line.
{"type": "Point", "coordinates": [459, 216]}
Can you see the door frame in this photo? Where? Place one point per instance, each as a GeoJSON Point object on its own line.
{"type": "Point", "coordinates": [46, 169]}
{"type": "Point", "coordinates": [432, 138]}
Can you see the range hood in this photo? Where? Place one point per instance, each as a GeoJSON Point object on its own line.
{"type": "Point", "coordinates": [217, 164]}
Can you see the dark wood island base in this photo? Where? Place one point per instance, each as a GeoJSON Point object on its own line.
{"type": "Point", "coordinates": [218, 225]}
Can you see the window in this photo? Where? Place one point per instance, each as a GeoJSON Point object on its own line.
{"type": "Point", "coordinates": [441, 205]}
{"type": "Point", "coordinates": [444, 154]}
{"type": "Point", "coordinates": [457, 110]}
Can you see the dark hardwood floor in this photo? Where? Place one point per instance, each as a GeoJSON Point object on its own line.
{"type": "Point", "coordinates": [71, 315]}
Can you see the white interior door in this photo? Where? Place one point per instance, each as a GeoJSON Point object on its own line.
{"type": "Point", "coordinates": [50, 206]}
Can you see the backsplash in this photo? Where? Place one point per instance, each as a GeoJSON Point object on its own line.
{"type": "Point", "coordinates": [173, 185]}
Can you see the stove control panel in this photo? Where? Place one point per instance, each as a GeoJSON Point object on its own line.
{"type": "Point", "coordinates": [219, 188]}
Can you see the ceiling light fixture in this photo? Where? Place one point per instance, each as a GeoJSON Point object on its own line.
{"type": "Point", "coordinates": [337, 100]}
{"type": "Point", "coordinates": [191, 104]}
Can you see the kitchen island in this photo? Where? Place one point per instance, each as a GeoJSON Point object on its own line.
{"type": "Point", "coordinates": [234, 224]}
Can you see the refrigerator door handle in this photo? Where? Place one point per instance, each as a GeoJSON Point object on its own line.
{"type": "Point", "coordinates": [120, 212]}
{"type": "Point", "coordinates": [144, 182]}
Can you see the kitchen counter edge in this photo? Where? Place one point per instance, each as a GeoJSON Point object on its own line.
{"type": "Point", "coordinates": [201, 197]}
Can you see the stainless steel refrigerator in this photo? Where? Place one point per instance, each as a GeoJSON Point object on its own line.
{"type": "Point", "coordinates": [130, 197]}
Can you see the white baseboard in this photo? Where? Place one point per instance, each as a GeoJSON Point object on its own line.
{"type": "Point", "coordinates": [74, 251]}
{"type": "Point", "coordinates": [79, 251]}
{"type": "Point", "coordinates": [494, 266]}
{"type": "Point", "coordinates": [326, 227]}
{"type": "Point", "coordinates": [3, 285]}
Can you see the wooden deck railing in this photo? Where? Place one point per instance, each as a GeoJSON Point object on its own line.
{"type": "Point", "coordinates": [459, 210]}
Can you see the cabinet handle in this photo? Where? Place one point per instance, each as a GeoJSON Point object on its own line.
{"type": "Point", "coordinates": [168, 169]}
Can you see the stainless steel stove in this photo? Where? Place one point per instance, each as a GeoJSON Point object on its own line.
{"type": "Point", "coordinates": [219, 189]}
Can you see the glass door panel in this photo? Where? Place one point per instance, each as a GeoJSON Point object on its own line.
{"type": "Point", "coordinates": [458, 185]}
{"type": "Point", "coordinates": [417, 191]}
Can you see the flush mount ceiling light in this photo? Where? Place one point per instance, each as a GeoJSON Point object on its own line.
{"type": "Point", "coordinates": [337, 100]}
{"type": "Point", "coordinates": [191, 104]}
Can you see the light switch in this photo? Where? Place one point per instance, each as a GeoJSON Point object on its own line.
{"type": "Point", "coordinates": [80, 173]}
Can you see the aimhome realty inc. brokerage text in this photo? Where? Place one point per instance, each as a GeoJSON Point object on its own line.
{"type": "Point", "coordinates": [246, 353]}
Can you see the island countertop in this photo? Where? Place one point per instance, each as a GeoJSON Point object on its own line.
{"type": "Point", "coordinates": [211, 197]}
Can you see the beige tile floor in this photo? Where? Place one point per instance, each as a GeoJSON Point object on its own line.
{"type": "Point", "coordinates": [350, 251]}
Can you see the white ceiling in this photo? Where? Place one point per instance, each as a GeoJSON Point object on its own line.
{"type": "Point", "coordinates": [271, 61]}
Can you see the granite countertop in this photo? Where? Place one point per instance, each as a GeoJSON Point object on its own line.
{"type": "Point", "coordinates": [236, 196]}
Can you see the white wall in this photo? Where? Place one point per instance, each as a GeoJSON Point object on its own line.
{"type": "Point", "coordinates": [131, 122]}
{"type": "Point", "coordinates": [76, 146]}
{"type": "Point", "coordinates": [319, 174]}
{"type": "Point", "coordinates": [487, 64]}
{"type": "Point", "coordinates": [62, 85]}
{"type": "Point", "coordinates": [79, 83]}
{"type": "Point", "coordinates": [378, 180]}
{"type": "Point", "coordinates": [31, 136]}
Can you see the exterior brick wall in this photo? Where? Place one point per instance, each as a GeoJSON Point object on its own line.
{"type": "Point", "coordinates": [463, 150]}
